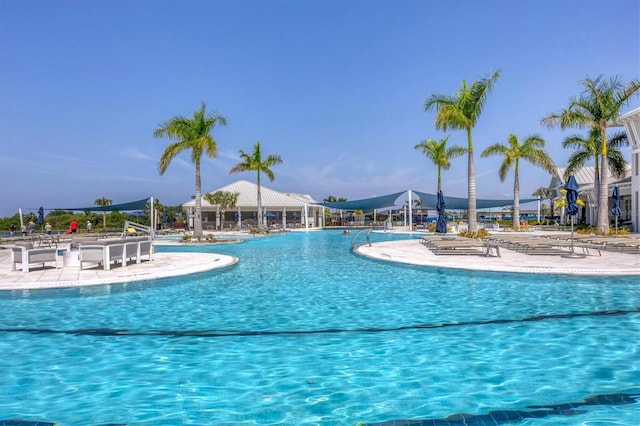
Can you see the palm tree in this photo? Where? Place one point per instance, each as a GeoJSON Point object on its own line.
{"type": "Point", "coordinates": [589, 147]}
{"type": "Point", "coordinates": [103, 202]}
{"type": "Point", "coordinates": [255, 162]}
{"type": "Point", "coordinates": [461, 111]}
{"type": "Point", "coordinates": [599, 105]}
{"type": "Point", "coordinates": [332, 199]}
{"type": "Point", "coordinates": [190, 134]}
{"type": "Point", "coordinates": [531, 149]}
{"type": "Point", "coordinates": [439, 154]}
{"type": "Point", "coordinates": [225, 199]}
{"type": "Point", "coordinates": [546, 194]}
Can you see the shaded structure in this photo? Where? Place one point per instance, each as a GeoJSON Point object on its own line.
{"type": "Point", "coordinates": [280, 210]}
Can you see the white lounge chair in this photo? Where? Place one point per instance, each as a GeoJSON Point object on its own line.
{"type": "Point", "coordinates": [26, 256]}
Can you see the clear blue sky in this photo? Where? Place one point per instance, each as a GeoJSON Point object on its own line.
{"type": "Point", "coordinates": [335, 87]}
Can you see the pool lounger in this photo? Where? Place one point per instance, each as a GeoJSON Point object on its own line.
{"type": "Point", "coordinates": [459, 246]}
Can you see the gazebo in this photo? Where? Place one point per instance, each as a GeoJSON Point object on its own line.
{"type": "Point", "coordinates": [279, 209]}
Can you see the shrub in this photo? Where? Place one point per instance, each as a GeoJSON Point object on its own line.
{"type": "Point", "coordinates": [481, 233]}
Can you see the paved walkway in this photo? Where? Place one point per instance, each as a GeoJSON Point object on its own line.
{"type": "Point", "coordinates": [413, 252]}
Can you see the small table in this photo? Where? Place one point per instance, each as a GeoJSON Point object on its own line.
{"type": "Point", "coordinates": [71, 259]}
{"type": "Point", "coordinates": [492, 246]}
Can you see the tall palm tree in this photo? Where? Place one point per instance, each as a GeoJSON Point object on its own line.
{"type": "Point", "coordinates": [255, 162]}
{"type": "Point", "coordinates": [546, 194]}
{"type": "Point", "coordinates": [598, 105]}
{"type": "Point", "coordinates": [461, 111]}
{"type": "Point", "coordinates": [190, 134]}
{"type": "Point", "coordinates": [586, 148]}
{"type": "Point", "coordinates": [103, 202]}
{"type": "Point", "coordinates": [531, 150]}
{"type": "Point", "coordinates": [439, 154]}
{"type": "Point", "coordinates": [225, 199]}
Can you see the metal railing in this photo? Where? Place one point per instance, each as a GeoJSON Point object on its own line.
{"type": "Point", "coordinates": [354, 240]}
{"type": "Point", "coordinates": [136, 227]}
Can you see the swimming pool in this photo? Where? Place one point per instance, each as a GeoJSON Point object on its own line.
{"type": "Point", "coordinates": [302, 331]}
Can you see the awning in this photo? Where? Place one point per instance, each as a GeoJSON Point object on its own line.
{"type": "Point", "coordinates": [367, 204]}
{"type": "Point", "coordinates": [455, 203]}
{"type": "Point", "coordinates": [132, 205]}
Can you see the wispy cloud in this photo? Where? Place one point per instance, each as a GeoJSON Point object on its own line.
{"type": "Point", "coordinates": [137, 154]}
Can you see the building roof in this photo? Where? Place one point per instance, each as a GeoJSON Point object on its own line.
{"type": "Point", "coordinates": [631, 123]}
{"type": "Point", "coordinates": [630, 115]}
{"type": "Point", "coordinates": [248, 197]}
{"type": "Point", "coordinates": [585, 176]}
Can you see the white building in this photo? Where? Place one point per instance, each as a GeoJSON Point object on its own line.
{"type": "Point", "coordinates": [631, 123]}
{"type": "Point", "coordinates": [281, 210]}
{"type": "Point", "coordinates": [585, 177]}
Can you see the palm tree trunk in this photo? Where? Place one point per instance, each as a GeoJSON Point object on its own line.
{"type": "Point", "coordinates": [596, 190]}
{"type": "Point", "coordinates": [516, 199]}
{"type": "Point", "coordinates": [259, 203]}
{"type": "Point", "coordinates": [603, 197]}
{"type": "Point", "coordinates": [473, 223]}
{"type": "Point", "coordinates": [439, 180]}
{"type": "Point", "coordinates": [197, 220]}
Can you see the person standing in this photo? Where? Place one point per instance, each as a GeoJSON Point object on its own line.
{"type": "Point", "coordinates": [12, 230]}
{"type": "Point", "coordinates": [47, 228]}
{"type": "Point", "coordinates": [73, 228]}
{"type": "Point", "coordinates": [88, 226]}
{"type": "Point", "coordinates": [23, 229]}
{"type": "Point", "coordinates": [32, 227]}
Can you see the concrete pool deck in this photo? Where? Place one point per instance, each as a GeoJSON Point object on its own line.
{"type": "Point", "coordinates": [163, 265]}
{"type": "Point", "coordinates": [409, 251]}
{"type": "Point", "coordinates": [415, 253]}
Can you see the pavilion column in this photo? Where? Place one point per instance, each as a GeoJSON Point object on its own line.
{"type": "Point", "coordinates": [410, 213]}
{"type": "Point", "coordinates": [284, 218]}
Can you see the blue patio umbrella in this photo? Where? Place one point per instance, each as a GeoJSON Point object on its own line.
{"type": "Point", "coordinates": [41, 216]}
{"type": "Point", "coordinates": [616, 211]}
{"type": "Point", "coordinates": [270, 215]}
{"type": "Point", "coordinates": [572, 196]}
{"type": "Point", "coordinates": [572, 209]}
{"type": "Point", "coordinates": [441, 223]}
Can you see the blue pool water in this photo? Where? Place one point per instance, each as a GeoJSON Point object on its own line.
{"type": "Point", "coordinates": [304, 332]}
